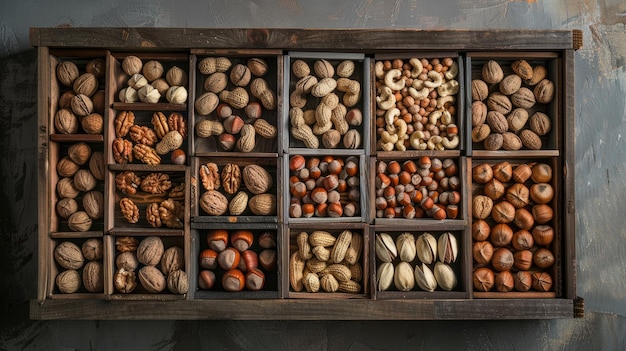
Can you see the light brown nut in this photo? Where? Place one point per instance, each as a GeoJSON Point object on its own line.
{"type": "Point", "coordinates": [129, 210]}
{"type": "Point", "coordinates": [66, 167]}
{"type": "Point", "coordinates": [79, 221]}
{"type": "Point", "coordinates": [214, 203]}
{"type": "Point", "coordinates": [81, 105]}
{"type": "Point", "coordinates": [311, 282]}
{"type": "Point", "coordinates": [173, 259]}
{"type": "Point", "coordinates": [481, 206]}
{"type": "Point", "coordinates": [352, 139]}
{"type": "Point", "coordinates": [544, 91]}
{"type": "Point", "coordinates": [68, 255]}
{"type": "Point", "coordinates": [96, 165]}
{"type": "Point", "coordinates": [206, 103]}
{"type": "Point", "coordinates": [296, 269]}
{"type": "Point", "coordinates": [479, 113]}
{"type": "Point", "coordinates": [237, 98]}
{"type": "Point", "coordinates": [122, 150]}
{"type": "Point", "coordinates": [446, 279]}
{"type": "Point", "coordinates": [524, 98]}
{"type": "Point", "coordinates": [426, 248]}
{"type": "Point", "coordinates": [338, 253]}
{"type": "Point", "coordinates": [152, 279]}
{"type": "Point", "coordinates": [540, 123]}
{"type": "Point", "coordinates": [126, 244]}
{"type": "Point", "coordinates": [67, 72]}
{"type": "Point", "coordinates": [323, 69]}
{"type": "Point", "coordinates": [143, 135]}
{"type": "Point", "coordinates": [93, 123]}
{"type": "Point", "coordinates": [405, 244]}
{"type": "Point", "coordinates": [265, 129]}
{"type": "Point", "coordinates": [132, 65]}
{"type": "Point", "coordinates": [238, 203]}
{"type": "Point", "coordinates": [480, 133]}
{"type": "Point", "coordinates": [240, 75]}
{"type": "Point", "coordinates": [86, 84]}
{"type": "Point", "coordinates": [176, 76]}
{"type": "Point", "coordinates": [501, 103]}
{"type": "Point", "coordinates": [66, 188]}
{"type": "Point", "coordinates": [159, 122]}
{"type": "Point", "coordinates": [210, 176]}
{"type": "Point", "coordinates": [385, 247]}
{"type": "Point", "coordinates": [170, 142]}
{"type": "Point", "coordinates": [68, 281]}
{"type": "Point", "coordinates": [84, 180]}
{"type": "Point", "coordinates": [530, 140]}
{"type": "Point", "coordinates": [492, 72]}
{"type": "Point", "coordinates": [539, 73]}
{"type": "Point", "coordinates": [523, 69]}
{"type": "Point", "coordinates": [247, 140]}
{"type": "Point", "coordinates": [510, 84]}
{"type": "Point", "coordinates": [125, 281]}
{"type": "Point", "coordinates": [150, 250]}
{"type": "Point", "coordinates": [176, 122]}
{"type": "Point", "coordinates": [494, 141]}
{"type": "Point", "coordinates": [329, 283]}
{"type": "Point", "coordinates": [403, 277]}
{"type": "Point", "coordinates": [216, 82]}
{"type": "Point", "coordinates": [177, 282]}
{"type": "Point", "coordinates": [480, 90]}
{"type": "Point", "coordinates": [511, 142]}
{"type": "Point", "coordinates": [65, 121]}
{"type": "Point", "coordinates": [231, 178]}
{"type": "Point", "coordinates": [146, 154]}
{"type": "Point", "coordinates": [257, 66]}
{"type": "Point", "coordinates": [263, 204]}
{"type": "Point", "coordinates": [93, 203]}
{"type": "Point", "coordinates": [345, 68]}
{"type": "Point", "coordinates": [517, 119]}
{"type": "Point", "coordinates": [497, 122]}
{"type": "Point", "coordinates": [322, 238]}
{"type": "Point", "coordinates": [93, 276]}
{"type": "Point", "coordinates": [152, 70]}
{"type": "Point", "coordinates": [353, 254]}
{"type": "Point", "coordinates": [207, 128]}
{"type": "Point", "coordinates": [321, 253]}
{"type": "Point", "coordinates": [350, 286]}
{"type": "Point", "coordinates": [339, 271]}
{"type": "Point", "coordinates": [65, 207]}
{"type": "Point", "coordinates": [257, 179]}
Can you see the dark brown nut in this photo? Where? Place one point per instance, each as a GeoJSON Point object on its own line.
{"type": "Point", "coordinates": [480, 91]}
{"type": "Point", "coordinates": [523, 281]}
{"type": "Point", "coordinates": [209, 174]}
{"type": "Point", "coordinates": [530, 140]}
{"type": "Point", "coordinates": [67, 72]}
{"type": "Point", "coordinates": [152, 215]}
{"type": "Point", "coordinates": [502, 171]}
{"type": "Point", "coordinates": [494, 141]}
{"type": "Point", "coordinates": [497, 122]}
{"type": "Point", "coordinates": [231, 178]}
{"type": "Point", "coordinates": [79, 221]}
{"type": "Point", "coordinates": [143, 135]}
{"type": "Point", "coordinates": [150, 250]}
{"type": "Point", "coordinates": [544, 91]}
{"type": "Point", "coordinates": [501, 103]}
{"type": "Point", "coordinates": [517, 119]}
{"type": "Point", "coordinates": [152, 279]}
{"type": "Point", "coordinates": [518, 195]}
{"type": "Point", "coordinates": [524, 98]}
{"type": "Point", "coordinates": [152, 70]}
{"type": "Point", "coordinates": [123, 121]}
{"type": "Point", "coordinates": [66, 206]}
{"type": "Point", "coordinates": [98, 102]}
{"type": "Point", "coordinates": [483, 279]}
{"type": "Point", "coordinates": [176, 122]}
{"type": "Point", "coordinates": [480, 230]}
{"type": "Point", "coordinates": [523, 69]}
{"type": "Point", "coordinates": [540, 123]}
{"type": "Point", "coordinates": [481, 206]}
{"type": "Point", "coordinates": [502, 259]}
{"type": "Point", "coordinates": [122, 150]}
{"type": "Point", "coordinates": [86, 84]}
{"type": "Point", "coordinates": [84, 180]}
{"type": "Point", "coordinates": [173, 259]}
{"type": "Point", "coordinates": [93, 203]}
{"type": "Point", "coordinates": [510, 84]}
{"type": "Point", "coordinates": [257, 66]}
{"type": "Point", "coordinates": [129, 210]}
{"type": "Point", "coordinates": [479, 113]}
{"type": "Point", "coordinates": [480, 133]}
{"type": "Point", "coordinates": [257, 179]}
{"type": "Point", "coordinates": [66, 167]}
{"type": "Point", "coordinates": [541, 281]}
{"type": "Point", "coordinates": [511, 142]}
{"type": "Point", "coordinates": [65, 100]}
{"type": "Point", "coordinates": [492, 72]}
{"type": "Point", "coordinates": [146, 154]}
{"type": "Point", "coordinates": [543, 258]}
{"type": "Point", "coordinates": [482, 252]}
{"type": "Point", "coordinates": [81, 105]}
{"type": "Point", "coordinates": [541, 173]}
{"type": "Point", "coordinates": [66, 188]}
{"type": "Point", "coordinates": [127, 260]}
{"type": "Point", "coordinates": [482, 173]}
{"type": "Point", "coordinates": [93, 276]}
{"type": "Point", "coordinates": [539, 73]}
{"type": "Point", "coordinates": [65, 121]}
{"type": "Point", "coordinates": [522, 240]}
{"type": "Point", "coordinates": [501, 235]}
{"type": "Point", "coordinates": [126, 244]}
{"type": "Point", "coordinates": [240, 75]}
{"type": "Point", "coordinates": [127, 182]}
{"type": "Point", "coordinates": [68, 281]}
{"type": "Point", "coordinates": [177, 282]}
{"type": "Point", "coordinates": [93, 123]}
{"type": "Point", "coordinates": [523, 259]}
{"type": "Point", "coordinates": [214, 203]}
{"type": "Point", "coordinates": [504, 281]}
{"type": "Point", "coordinates": [156, 183]}
{"type": "Point", "coordinates": [79, 153]}
{"type": "Point", "coordinates": [494, 189]}
{"type": "Point", "coordinates": [176, 76]}
{"type": "Point", "coordinates": [96, 67]}
{"type": "Point", "coordinates": [68, 255]}
{"type": "Point", "coordinates": [125, 281]}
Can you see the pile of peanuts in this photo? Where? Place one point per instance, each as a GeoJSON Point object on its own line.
{"type": "Point", "coordinates": [416, 104]}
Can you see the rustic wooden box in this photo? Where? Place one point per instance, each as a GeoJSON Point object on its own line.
{"type": "Point", "coordinates": [185, 48]}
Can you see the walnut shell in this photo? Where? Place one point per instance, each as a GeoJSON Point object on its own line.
{"type": "Point", "coordinates": [96, 165]}
{"type": "Point", "coordinates": [172, 260]}
{"type": "Point", "coordinates": [257, 66]}
{"type": "Point", "coordinates": [544, 91]}
{"type": "Point", "coordinates": [66, 188]}
{"type": "Point", "coordinates": [97, 67]}
{"type": "Point", "coordinates": [517, 119]}
{"type": "Point", "coordinates": [530, 140]}
{"type": "Point", "coordinates": [127, 260]}
{"type": "Point", "coordinates": [524, 97]}
{"type": "Point", "coordinates": [497, 122]}
{"type": "Point", "coordinates": [67, 72]}
{"type": "Point", "coordinates": [132, 65]}
{"type": "Point", "coordinates": [511, 142]}
{"type": "Point", "coordinates": [81, 105]}
{"type": "Point", "coordinates": [66, 167]}
{"type": "Point", "coordinates": [86, 84]}
{"type": "Point", "coordinates": [65, 121]}
{"type": "Point", "coordinates": [480, 90]}
{"type": "Point", "coordinates": [92, 123]}
{"type": "Point", "coordinates": [125, 281]}
{"type": "Point", "coordinates": [68, 281]}
{"type": "Point", "coordinates": [240, 75]}
{"type": "Point", "coordinates": [523, 69]}
{"type": "Point", "coordinates": [177, 282]}
{"type": "Point", "coordinates": [492, 72]}
{"type": "Point", "coordinates": [176, 76]}
{"type": "Point", "coordinates": [79, 153]}
{"type": "Point", "coordinates": [79, 221]}
{"type": "Point", "coordinates": [152, 279]}
{"type": "Point", "coordinates": [161, 86]}
{"type": "Point", "coordinates": [510, 84]}
{"type": "Point", "coordinates": [68, 255]}
{"type": "Point", "coordinates": [84, 180]}
{"type": "Point", "coordinates": [92, 249]}
{"type": "Point", "coordinates": [257, 179]}
{"type": "Point", "coordinates": [540, 123]}
{"type": "Point", "coordinates": [150, 250]}
{"type": "Point", "coordinates": [206, 103]}
{"type": "Point", "coordinates": [214, 203]}
{"type": "Point", "coordinates": [263, 204]}
{"type": "Point", "coordinates": [66, 207]}
{"type": "Point", "coordinates": [152, 70]}
{"type": "Point", "coordinates": [494, 141]}
{"type": "Point", "coordinates": [501, 103]}
{"type": "Point", "coordinates": [93, 276]}
{"type": "Point", "coordinates": [98, 101]}
{"type": "Point", "coordinates": [93, 203]}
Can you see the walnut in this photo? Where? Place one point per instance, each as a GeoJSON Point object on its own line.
{"type": "Point", "coordinates": [146, 154]}
{"type": "Point", "coordinates": [86, 84]}
{"type": "Point", "coordinates": [66, 167]}
{"type": "Point", "coordinates": [127, 260]}
{"type": "Point", "coordinates": [126, 244]}
{"type": "Point", "coordinates": [65, 121]}
{"type": "Point", "coordinates": [93, 203]}
{"type": "Point", "coordinates": [159, 121]}
{"type": "Point", "coordinates": [156, 183]}
{"type": "Point", "coordinates": [231, 178]}
{"type": "Point", "coordinates": [143, 135]}
{"type": "Point", "coordinates": [96, 165]}
{"type": "Point", "coordinates": [93, 276]}
{"type": "Point", "coordinates": [152, 279]}
{"type": "Point", "coordinates": [171, 212]}
{"type": "Point", "coordinates": [176, 121]}
{"type": "Point", "coordinates": [67, 72]}
{"type": "Point", "coordinates": [209, 173]}
{"type": "Point", "coordinates": [68, 255]}
{"type": "Point", "coordinates": [127, 182]}
{"type": "Point", "coordinates": [129, 210]}
{"type": "Point", "coordinates": [125, 281]}
{"type": "Point", "coordinates": [177, 282]}
{"type": "Point", "coordinates": [79, 221]}
{"type": "Point", "coordinates": [152, 215]}
{"type": "Point", "coordinates": [84, 180]}
{"type": "Point", "coordinates": [150, 250]}
{"type": "Point", "coordinates": [122, 150]}
{"type": "Point", "coordinates": [92, 249]}
{"type": "Point", "coordinates": [173, 259]}
{"type": "Point", "coordinates": [79, 153]}
{"type": "Point", "coordinates": [68, 281]}
{"type": "Point", "coordinates": [123, 121]}
{"type": "Point", "coordinates": [178, 192]}
{"type": "Point", "coordinates": [66, 188]}
{"type": "Point", "coordinates": [66, 206]}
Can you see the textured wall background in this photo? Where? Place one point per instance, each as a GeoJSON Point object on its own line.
{"type": "Point", "coordinates": [600, 180]}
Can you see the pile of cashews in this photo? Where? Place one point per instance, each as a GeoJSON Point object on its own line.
{"type": "Point", "coordinates": [416, 104]}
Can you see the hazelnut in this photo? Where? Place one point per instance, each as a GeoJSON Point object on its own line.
{"type": "Point", "coordinates": [480, 230]}
{"type": "Point", "coordinates": [241, 239]}
{"type": "Point", "coordinates": [482, 251]}
{"type": "Point", "coordinates": [541, 281]}
{"type": "Point", "coordinates": [249, 260]}
{"type": "Point", "coordinates": [233, 280]}
{"type": "Point", "coordinates": [523, 219]}
{"type": "Point", "coordinates": [501, 235]}
{"type": "Point", "coordinates": [543, 258]}
{"type": "Point", "coordinates": [504, 281]}
{"type": "Point", "coordinates": [482, 173]}
{"type": "Point", "coordinates": [255, 279]}
{"type": "Point", "coordinates": [494, 189]}
{"type": "Point", "coordinates": [523, 281]}
{"type": "Point", "coordinates": [502, 259]}
{"type": "Point", "coordinates": [267, 259]}
{"type": "Point", "coordinates": [543, 235]}
{"type": "Point", "coordinates": [483, 279]}
{"type": "Point", "coordinates": [521, 173]}
{"type": "Point", "coordinates": [517, 194]}
{"type": "Point", "coordinates": [542, 213]}
{"type": "Point", "coordinates": [523, 259]}
{"type": "Point", "coordinates": [522, 240]}
{"type": "Point", "coordinates": [541, 173]}
{"type": "Point", "coordinates": [228, 258]}
{"type": "Point", "coordinates": [502, 171]}
{"type": "Point", "coordinates": [503, 212]}
{"type": "Point", "coordinates": [206, 279]}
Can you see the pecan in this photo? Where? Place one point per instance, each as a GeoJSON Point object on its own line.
{"type": "Point", "coordinates": [152, 215]}
{"type": "Point", "coordinates": [231, 178]}
{"type": "Point", "coordinates": [176, 121]}
{"type": "Point", "coordinates": [178, 192]}
{"type": "Point", "coordinates": [127, 182]}
{"type": "Point", "coordinates": [126, 244]}
{"type": "Point", "coordinates": [156, 183]}
{"type": "Point", "coordinates": [122, 150]}
{"type": "Point", "coordinates": [123, 121]}
{"type": "Point", "coordinates": [129, 210]}
{"type": "Point", "coordinates": [159, 121]}
{"type": "Point", "coordinates": [209, 173]}
{"type": "Point", "coordinates": [143, 135]}
{"type": "Point", "coordinates": [146, 154]}
{"type": "Point", "coordinates": [170, 213]}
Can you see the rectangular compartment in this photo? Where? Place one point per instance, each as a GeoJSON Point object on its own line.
{"type": "Point", "coordinates": [505, 232]}
{"type": "Point", "coordinates": [347, 116]}
{"type": "Point", "coordinates": [343, 178]}
{"type": "Point", "coordinates": [354, 260]}
{"type": "Point", "coordinates": [551, 142]}
{"type": "Point", "coordinates": [219, 80]}
{"type": "Point", "coordinates": [430, 87]}
{"type": "Point", "coordinates": [460, 268]}
{"type": "Point", "coordinates": [390, 206]}
{"type": "Point", "coordinates": [266, 252]}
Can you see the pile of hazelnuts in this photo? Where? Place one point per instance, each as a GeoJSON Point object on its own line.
{"type": "Point", "coordinates": [426, 187]}
{"type": "Point", "coordinates": [512, 227]}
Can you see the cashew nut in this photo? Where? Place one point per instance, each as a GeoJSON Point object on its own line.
{"type": "Point", "coordinates": [391, 115]}
{"type": "Point", "coordinates": [387, 137]}
{"type": "Point", "coordinates": [417, 140]}
{"type": "Point", "coordinates": [417, 67]}
{"type": "Point", "coordinates": [444, 101]}
{"type": "Point", "coordinates": [451, 87]}
{"type": "Point", "coordinates": [400, 145]}
{"type": "Point", "coordinates": [452, 71]}
{"type": "Point", "coordinates": [386, 146]}
{"type": "Point", "coordinates": [419, 95]}
{"type": "Point", "coordinates": [446, 117]}
{"type": "Point", "coordinates": [391, 82]}
{"type": "Point", "coordinates": [437, 79]}
{"type": "Point", "coordinates": [378, 69]}
{"type": "Point", "coordinates": [450, 143]}
{"type": "Point", "coordinates": [434, 116]}
{"type": "Point", "coordinates": [386, 100]}
{"type": "Point", "coordinates": [433, 141]}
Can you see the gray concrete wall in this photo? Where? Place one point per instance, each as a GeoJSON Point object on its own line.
{"type": "Point", "coordinates": [600, 180]}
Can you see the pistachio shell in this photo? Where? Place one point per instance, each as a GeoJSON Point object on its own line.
{"type": "Point", "coordinates": [385, 247]}
{"type": "Point", "coordinates": [403, 277]}
{"type": "Point", "coordinates": [405, 244]}
{"type": "Point", "coordinates": [384, 276]}
{"type": "Point", "coordinates": [446, 279]}
{"type": "Point", "coordinates": [424, 278]}
{"type": "Point", "coordinates": [426, 246]}
{"type": "Point", "coordinates": [447, 248]}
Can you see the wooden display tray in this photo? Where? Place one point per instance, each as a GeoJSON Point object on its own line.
{"type": "Point", "coordinates": [185, 47]}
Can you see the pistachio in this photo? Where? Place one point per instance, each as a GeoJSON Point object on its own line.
{"type": "Point", "coordinates": [424, 278]}
{"type": "Point", "coordinates": [405, 243]}
{"type": "Point", "coordinates": [446, 279]}
{"type": "Point", "coordinates": [403, 277]}
{"type": "Point", "coordinates": [385, 247]}
{"type": "Point", "coordinates": [384, 276]}
{"type": "Point", "coordinates": [447, 248]}
{"type": "Point", "coordinates": [426, 246]}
